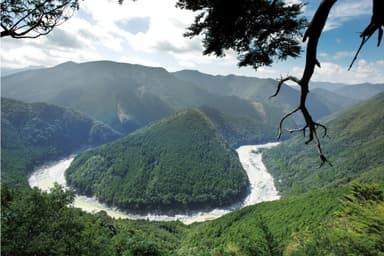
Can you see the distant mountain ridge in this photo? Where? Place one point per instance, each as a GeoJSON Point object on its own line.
{"type": "Point", "coordinates": [360, 92]}
{"type": "Point", "coordinates": [260, 90]}
{"type": "Point", "coordinates": [128, 97]}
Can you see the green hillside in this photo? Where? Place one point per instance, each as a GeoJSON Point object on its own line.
{"type": "Point", "coordinates": [179, 163]}
{"type": "Point", "coordinates": [241, 130]}
{"type": "Point", "coordinates": [342, 221]}
{"type": "Point", "coordinates": [32, 134]}
{"type": "Point", "coordinates": [355, 147]}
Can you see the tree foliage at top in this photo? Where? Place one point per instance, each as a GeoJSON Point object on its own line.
{"type": "Point", "coordinates": [258, 30]}
{"type": "Point", "coordinates": [33, 18]}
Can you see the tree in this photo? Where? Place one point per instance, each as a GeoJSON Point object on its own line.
{"type": "Point", "coordinates": [261, 31]}
{"type": "Point", "coordinates": [34, 18]}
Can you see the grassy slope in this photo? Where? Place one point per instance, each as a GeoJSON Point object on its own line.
{"type": "Point", "coordinates": [179, 163]}
{"type": "Point", "coordinates": [355, 146]}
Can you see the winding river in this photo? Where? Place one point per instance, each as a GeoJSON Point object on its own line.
{"type": "Point", "coordinates": [261, 188]}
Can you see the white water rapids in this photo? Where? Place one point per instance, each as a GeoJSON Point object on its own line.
{"type": "Point", "coordinates": [262, 188]}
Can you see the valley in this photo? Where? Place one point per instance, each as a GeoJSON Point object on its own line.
{"type": "Point", "coordinates": [169, 148]}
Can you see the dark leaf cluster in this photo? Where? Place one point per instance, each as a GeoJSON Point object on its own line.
{"type": "Point", "coordinates": [258, 30]}
{"type": "Point", "coordinates": [33, 18]}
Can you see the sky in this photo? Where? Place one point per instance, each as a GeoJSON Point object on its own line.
{"type": "Point", "coordinates": [150, 33]}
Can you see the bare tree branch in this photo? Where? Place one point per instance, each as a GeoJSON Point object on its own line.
{"type": "Point", "coordinates": [376, 24]}
{"type": "Point", "coordinates": [281, 82]}
{"type": "Point", "coordinates": [313, 33]}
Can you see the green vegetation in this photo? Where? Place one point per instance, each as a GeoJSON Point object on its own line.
{"type": "Point", "coordinates": [264, 229]}
{"type": "Point", "coordinates": [354, 146]}
{"type": "Point", "coordinates": [342, 221]}
{"type": "Point", "coordinates": [180, 163]}
{"type": "Point", "coordinates": [39, 223]}
{"type": "Point", "coordinates": [32, 134]}
{"type": "Point", "coordinates": [186, 162]}
{"type": "Point", "coordinates": [356, 229]}
{"type": "Point", "coordinates": [246, 129]}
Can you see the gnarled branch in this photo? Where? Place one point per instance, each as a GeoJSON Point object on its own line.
{"type": "Point", "coordinates": [313, 33]}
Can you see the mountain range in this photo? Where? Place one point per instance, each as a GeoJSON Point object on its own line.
{"type": "Point", "coordinates": [183, 126]}
{"type": "Point", "coordinates": [128, 97]}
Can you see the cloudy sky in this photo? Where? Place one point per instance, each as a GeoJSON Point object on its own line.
{"type": "Point", "coordinates": [150, 32]}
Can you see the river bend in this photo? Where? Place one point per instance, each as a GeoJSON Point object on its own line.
{"type": "Point", "coordinates": [262, 187]}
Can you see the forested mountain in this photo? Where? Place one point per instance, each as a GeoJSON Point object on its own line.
{"type": "Point", "coordinates": [260, 90]}
{"type": "Point", "coordinates": [179, 163]}
{"type": "Point", "coordinates": [32, 134]}
{"type": "Point", "coordinates": [354, 91]}
{"type": "Point", "coordinates": [128, 97]}
{"type": "Point", "coordinates": [354, 145]}
{"type": "Point", "coordinates": [332, 100]}
{"type": "Point", "coordinates": [361, 91]}
{"type": "Point", "coordinates": [124, 96]}
{"type": "Point", "coordinates": [184, 162]}
{"type": "Point", "coordinates": [330, 221]}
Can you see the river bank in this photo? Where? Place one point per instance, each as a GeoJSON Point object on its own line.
{"type": "Point", "coordinates": [261, 188]}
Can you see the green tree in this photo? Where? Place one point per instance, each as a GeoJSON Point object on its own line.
{"type": "Point", "coordinates": [33, 18]}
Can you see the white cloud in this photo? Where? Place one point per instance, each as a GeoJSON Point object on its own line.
{"type": "Point", "coordinates": [97, 32]}
{"type": "Point", "coordinates": [363, 71]}
{"type": "Point", "coordinates": [344, 11]}
{"type": "Point", "coordinates": [336, 56]}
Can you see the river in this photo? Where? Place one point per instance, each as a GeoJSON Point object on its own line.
{"type": "Point", "coordinates": [262, 188]}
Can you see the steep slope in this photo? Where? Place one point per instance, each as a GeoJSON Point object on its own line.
{"type": "Point", "coordinates": [238, 129]}
{"type": "Point", "coordinates": [179, 163]}
{"type": "Point", "coordinates": [32, 134]}
{"type": "Point", "coordinates": [355, 146]}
